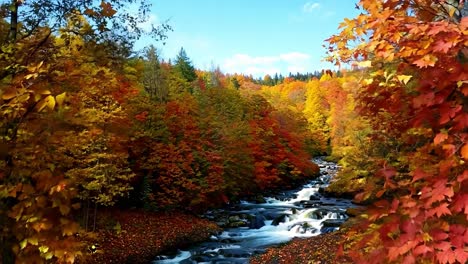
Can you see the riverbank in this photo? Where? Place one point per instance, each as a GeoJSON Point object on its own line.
{"type": "Point", "coordinates": [138, 236]}
{"type": "Point", "coordinates": [249, 228]}
{"type": "Point", "coordinates": [321, 249]}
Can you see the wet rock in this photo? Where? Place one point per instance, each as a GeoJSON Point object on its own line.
{"type": "Point", "coordinates": [227, 241]}
{"type": "Point", "coordinates": [314, 198]}
{"type": "Point", "coordinates": [308, 204]}
{"type": "Point", "coordinates": [237, 224]}
{"type": "Point", "coordinates": [207, 257]}
{"type": "Point", "coordinates": [234, 218]}
{"type": "Point", "coordinates": [317, 214]}
{"type": "Point", "coordinates": [332, 223]}
{"type": "Point", "coordinates": [302, 228]}
{"type": "Point", "coordinates": [325, 230]}
{"type": "Point", "coordinates": [272, 215]}
{"type": "Point", "coordinates": [321, 190]}
{"type": "Point", "coordinates": [234, 253]}
{"type": "Point", "coordinates": [259, 199]}
{"type": "Point", "coordinates": [280, 219]}
{"type": "Point", "coordinates": [222, 223]}
{"type": "Point", "coordinates": [257, 221]}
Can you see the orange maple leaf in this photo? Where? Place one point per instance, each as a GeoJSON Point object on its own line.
{"type": "Point", "coordinates": [427, 60]}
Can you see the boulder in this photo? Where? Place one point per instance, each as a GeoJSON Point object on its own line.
{"type": "Point", "coordinates": [259, 199]}
{"type": "Point", "coordinates": [237, 224]}
{"type": "Point", "coordinates": [302, 228]}
{"type": "Point", "coordinates": [257, 221]}
{"type": "Point", "coordinates": [280, 219]}
{"type": "Point", "coordinates": [234, 253]}
{"type": "Point", "coordinates": [234, 218]}
{"type": "Point", "coordinates": [325, 230]}
{"type": "Point", "coordinates": [314, 198]}
{"type": "Point", "coordinates": [308, 204]}
{"type": "Point", "coordinates": [332, 223]}
{"type": "Point", "coordinates": [317, 214]}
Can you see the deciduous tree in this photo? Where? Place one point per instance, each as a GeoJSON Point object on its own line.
{"type": "Point", "coordinates": [417, 54]}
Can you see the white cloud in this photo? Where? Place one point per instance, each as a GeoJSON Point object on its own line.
{"type": "Point", "coordinates": [262, 65]}
{"type": "Point", "coordinates": [310, 6]}
{"type": "Point", "coordinates": [294, 56]}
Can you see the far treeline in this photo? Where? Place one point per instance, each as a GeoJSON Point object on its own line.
{"type": "Point", "coordinates": [86, 124]}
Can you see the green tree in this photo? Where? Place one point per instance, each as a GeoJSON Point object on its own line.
{"type": "Point", "coordinates": [154, 79]}
{"type": "Point", "coordinates": [184, 66]}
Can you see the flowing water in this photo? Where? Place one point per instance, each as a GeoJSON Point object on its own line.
{"type": "Point", "coordinates": [298, 213]}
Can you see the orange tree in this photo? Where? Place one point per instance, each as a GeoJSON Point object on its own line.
{"type": "Point", "coordinates": [58, 98]}
{"type": "Point", "coordinates": [58, 123]}
{"type": "Point", "coordinates": [417, 88]}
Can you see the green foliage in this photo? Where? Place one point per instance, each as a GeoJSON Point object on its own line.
{"type": "Point", "coordinates": [154, 78]}
{"type": "Point", "coordinates": [184, 66]}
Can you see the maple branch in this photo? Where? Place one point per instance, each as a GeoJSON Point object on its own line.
{"type": "Point", "coordinates": [39, 45]}
{"type": "Point", "coordinates": [417, 6]}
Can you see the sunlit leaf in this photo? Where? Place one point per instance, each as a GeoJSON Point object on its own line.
{"type": "Point", "coordinates": [9, 94]}
{"type": "Point", "coordinates": [464, 151]}
{"type": "Point", "coordinates": [60, 99]}
{"type": "Point", "coordinates": [440, 137]}
{"type": "Point", "coordinates": [404, 78]}
{"type": "Point", "coordinates": [364, 64]}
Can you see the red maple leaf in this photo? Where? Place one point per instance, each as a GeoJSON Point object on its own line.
{"type": "Point", "coordinates": [442, 46]}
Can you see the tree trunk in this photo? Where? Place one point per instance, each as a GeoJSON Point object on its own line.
{"type": "Point", "coordinates": [13, 21]}
{"type": "Point", "coordinates": [94, 216]}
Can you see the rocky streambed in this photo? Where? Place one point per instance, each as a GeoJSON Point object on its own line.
{"type": "Point", "coordinates": [250, 227]}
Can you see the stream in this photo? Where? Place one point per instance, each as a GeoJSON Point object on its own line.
{"type": "Point", "coordinates": [251, 227]}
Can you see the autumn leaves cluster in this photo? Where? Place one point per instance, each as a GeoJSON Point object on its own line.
{"type": "Point", "coordinates": [85, 127]}
{"type": "Point", "coordinates": [414, 100]}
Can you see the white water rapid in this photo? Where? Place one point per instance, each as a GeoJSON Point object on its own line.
{"type": "Point", "coordinates": [299, 213]}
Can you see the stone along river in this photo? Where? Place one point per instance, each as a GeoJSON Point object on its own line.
{"type": "Point", "coordinates": [251, 227]}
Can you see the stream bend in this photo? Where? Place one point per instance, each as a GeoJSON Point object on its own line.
{"type": "Point", "coordinates": [251, 227]}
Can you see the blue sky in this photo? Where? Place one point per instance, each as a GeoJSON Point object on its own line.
{"type": "Point", "coordinates": [255, 37]}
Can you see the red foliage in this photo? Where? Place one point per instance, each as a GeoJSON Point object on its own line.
{"type": "Point", "coordinates": [323, 249]}
{"type": "Point", "coordinates": [137, 236]}
{"type": "Point", "coordinates": [425, 120]}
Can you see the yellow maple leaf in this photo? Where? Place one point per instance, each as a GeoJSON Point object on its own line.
{"type": "Point", "coordinates": [427, 60]}
{"type": "Point", "coordinates": [404, 78]}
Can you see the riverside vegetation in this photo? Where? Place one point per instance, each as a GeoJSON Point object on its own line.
{"type": "Point", "coordinates": [96, 143]}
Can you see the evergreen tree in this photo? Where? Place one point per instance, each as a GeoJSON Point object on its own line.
{"type": "Point", "coordinates": [154, 79]}
{"type": "Point", "coordinates": [184, 66]}
{"type": "Point", "coordinates": [235, 83]}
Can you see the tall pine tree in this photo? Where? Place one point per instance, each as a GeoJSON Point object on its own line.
{"type": "Point", "coordinates": [184, 66]}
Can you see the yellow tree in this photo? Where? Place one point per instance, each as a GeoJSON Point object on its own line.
{"type": "Point", "coordinates": [316, 111]}
{"type": "Point", "coordinates": [51, 111]}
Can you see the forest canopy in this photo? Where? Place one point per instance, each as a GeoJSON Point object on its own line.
{"type": "Point", "coordinates": [89, 126]}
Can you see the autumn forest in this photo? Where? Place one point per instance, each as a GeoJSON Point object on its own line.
{"type": "Point", "coordinates": [102, 146]}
